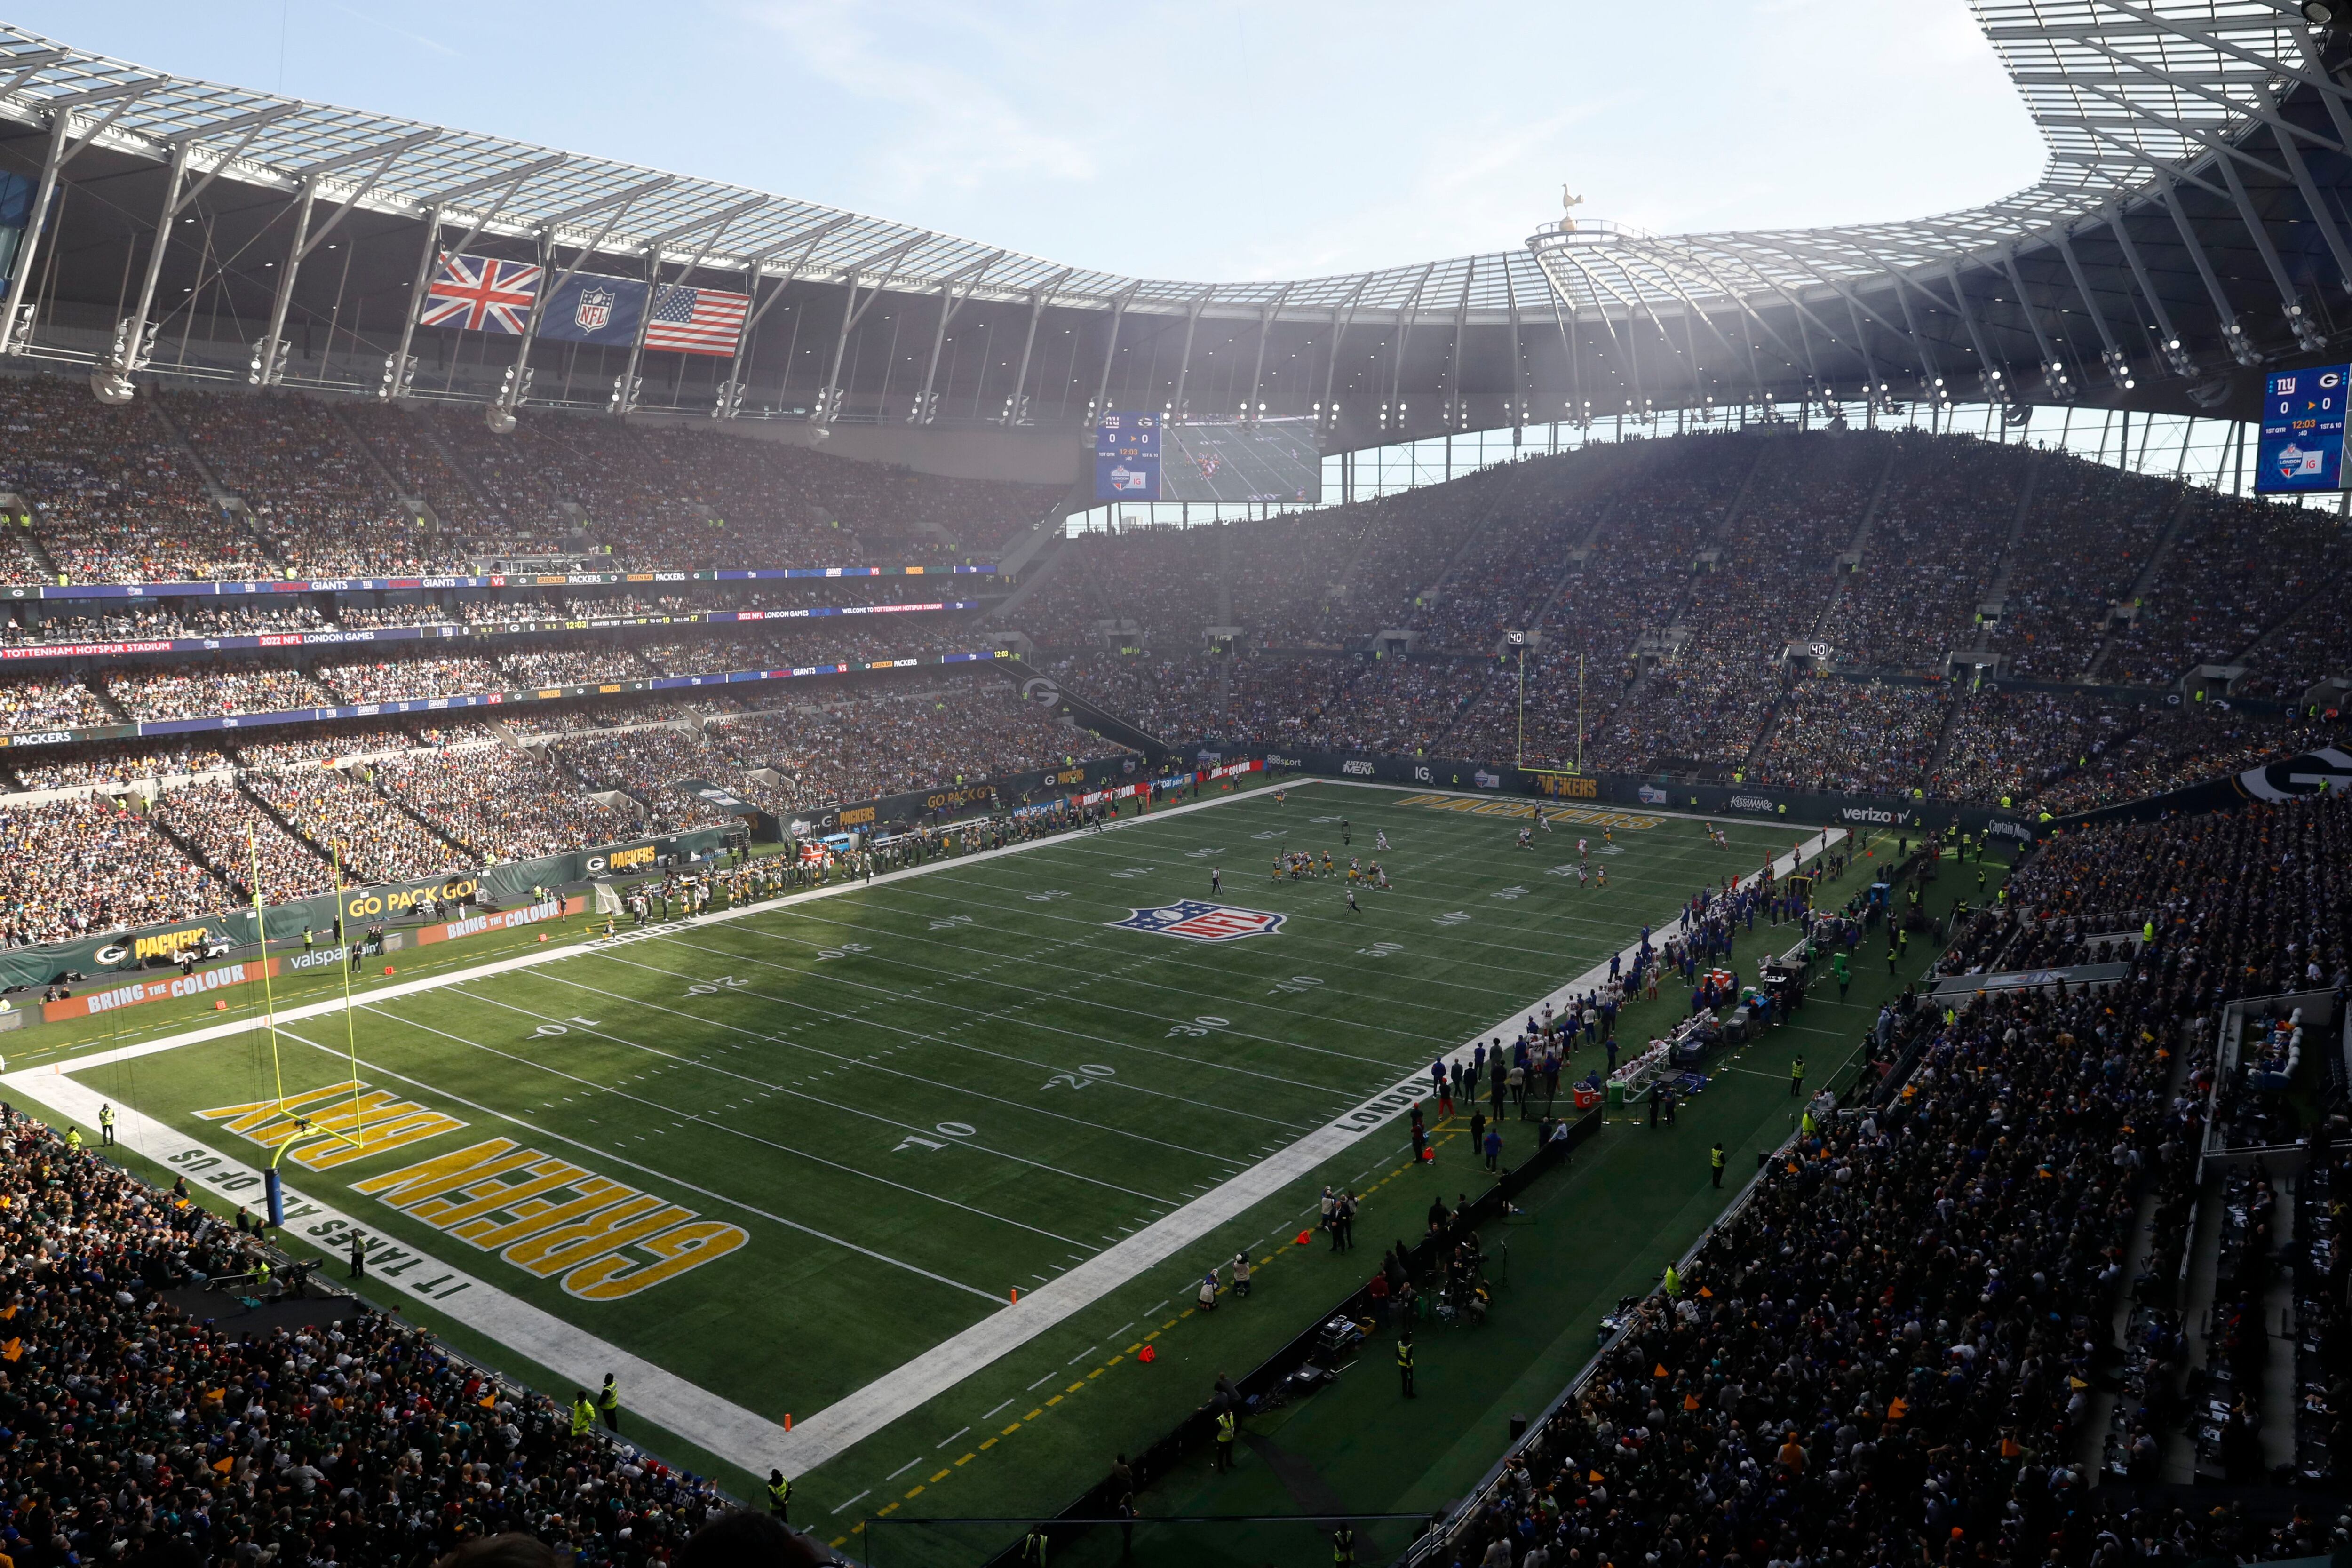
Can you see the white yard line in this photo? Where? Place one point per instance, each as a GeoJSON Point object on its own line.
{"type": "Point", "coordinates": [750, 1441]}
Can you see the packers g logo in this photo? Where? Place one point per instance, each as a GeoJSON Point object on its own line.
{"type": "Point", "coordinates": [1039, 688]}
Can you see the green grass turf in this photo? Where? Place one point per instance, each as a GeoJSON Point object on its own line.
{"type": "Point", "coordinates": [1633, 1199]}
{"type": "Point", "coordinates": [899, 1066]}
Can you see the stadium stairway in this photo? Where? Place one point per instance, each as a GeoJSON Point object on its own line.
{"type": "Point", "coordinates": [293, 830]}
{"type": "Point", "coordinates": [1633, 1200]}
{"type": "Point", "coordinates": [1034, 567]}
{"type": "Point", "coordinates": [365, 450]}
{"type": "Point", "coordinates": [1111, 726]}
{"type": "Point", "coordinates": [2182, 510]}
{"type": "Point", "coordinates": [31, 540]}
{"type": "Point", "coordinates": [1854, 547]}
{"type": "Point", "coordinates": [2333, 587]}
{"type": "Point", "coordinates": [227, 501]}
{"type": "Point", "coordinates": [428, 431]}
{"type": "Point", "coordinates": [1581, 551]}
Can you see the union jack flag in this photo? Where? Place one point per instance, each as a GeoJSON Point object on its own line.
{"type": "Point", "coordinates": [476, 293]}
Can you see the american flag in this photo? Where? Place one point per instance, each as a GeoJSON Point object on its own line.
{"type": "Point", "coordinates": [696, 320]}
{"type": "Point", "coordinates": [476, 293]}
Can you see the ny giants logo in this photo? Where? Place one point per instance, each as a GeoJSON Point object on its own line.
{"type": "Point", "coordinates": [1196, 921]}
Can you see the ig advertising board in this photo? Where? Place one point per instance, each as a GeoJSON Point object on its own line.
{"type": "Point", "coordinates": [1127, 457]}
{"type": "Point", "coordinates": [2303, 432]}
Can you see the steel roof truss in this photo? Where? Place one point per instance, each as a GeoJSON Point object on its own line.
{"type": "Point", "coordinates": [2111, 354]}
{"type": "Point", "coordinates": [922, 413]}
{"type": "Point", "coordinates": [2233, 334]}
{"type": "Point", "coordinates": [2170, 348]}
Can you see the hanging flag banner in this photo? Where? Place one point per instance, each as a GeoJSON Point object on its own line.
{"type": "Point", "coordinates": [589, 308]}
{"type": "Point", "coordinates": [481, 294]}
{"type": "Point", "coordinates": [697, 321]}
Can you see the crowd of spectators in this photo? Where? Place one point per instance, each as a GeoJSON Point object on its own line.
{"type": "Point", "coordinates": [500, 802]}
{"type": "Point", "coordinates": [350, 824]}
{"type": "Point", "coordinates": [1830, 737]}
{"type": "Point", "coordinates": [117, 498]}
{"type": "Point", "coordinates": [114, 497]}
{"type": "Point", "coordinates": [573, 664]}
{"type": "Point", "coordinates": [2173, 747]}
{"type": "Point", "coordinates": [2012, 745]}
{"type": "Point", "coordinates": [301, 745]}
{"type": "Point", "coordinates": [219, 685]}
{"type": "Point", "coordinates": [139, 620]}
{"type": "Point", "coordinates": [2311, 646]}
{"type": "Point", "coordinates": [400, 438]}
{"type": "Point", "coordinates": [2094, 531]}
{"type": "Point", "coordinates": [681, 496]}
{"type": "Point", "coordinates": [54, 701]}
{"type": "Point", "coordinates": [1886, 1355]}
{"type": "Point", "coordinates": [613, 712]}
{"type": "Point", "coordinates": [633, 759]}
{"type": "Point", "coordinates": [640, 763]}
{"type": "Point", "coordinates": [397, 677]}
{"type": "Point", "coordinates": [70, 868]}
{"type": "Point", "coordinates": [230, 832]}
{"type": "Point", "coordinates": [891, 741]}
{"type": "Point", "coordinates": [1160, 582]}
{"type": "Point", "coordinates": [143, 1433]}
{"type": "Point", "coordinates": [2236, 569]}
{"type": "Point", "coordinates": [1931, 553]}
{"type": "Point", "coordinates": [109, 764]}
{"type": "Point", "coordinates": [310, 487]}
{"type": "Point", "coordinates": [414, 801]}
{"type": "Point", "coordinates": [2244, 903]}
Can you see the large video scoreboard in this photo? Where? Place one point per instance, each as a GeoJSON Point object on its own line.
{"type": "Point", "coordinates": [2303, 432]}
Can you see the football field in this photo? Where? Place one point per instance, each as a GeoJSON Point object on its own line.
{"type": "Point", "coordinates": [785, 1169]}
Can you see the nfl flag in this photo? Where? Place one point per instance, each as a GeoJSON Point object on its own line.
{"type": "Point", "coordinates": [590, 307]}
{"type": "Point", "coordinates": [696, 320]}
{"type": "Point", "coordinates": [476, 293]}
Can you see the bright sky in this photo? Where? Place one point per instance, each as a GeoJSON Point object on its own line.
{"type": "Point", "coordinates": [1208, 139]}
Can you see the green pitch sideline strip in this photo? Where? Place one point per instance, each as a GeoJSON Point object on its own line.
{"type": "Point", "coordinates": [714, 1424]}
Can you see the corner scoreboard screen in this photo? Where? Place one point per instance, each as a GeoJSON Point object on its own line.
{"type": "Point", "coordinates": [2303, 432]}
{"type": "Point", "coordinates": [1127, 457]}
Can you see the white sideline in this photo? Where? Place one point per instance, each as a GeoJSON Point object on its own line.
{"type": "Point", "coordinates": [717, 1425]}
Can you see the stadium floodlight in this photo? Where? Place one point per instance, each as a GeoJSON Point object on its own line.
{"type": "Point", "coordinates": [399, 372]}
{"type": "Point", "coordinates": [2318, 13]}
{"type": "Point", "coordinates": [2306, 336]}
{"type": "Point", "coordinates": [268, 363]}
{"type": "Point", "coordinates": [2242, 348]}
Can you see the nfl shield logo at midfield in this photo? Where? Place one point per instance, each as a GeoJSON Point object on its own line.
{"type": "Point", "coordinates": [1196, 921]}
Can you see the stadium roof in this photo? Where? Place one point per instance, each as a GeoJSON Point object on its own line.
{"type": "Point", "coordinates": [2181, 214]}
{"type": "Point", "coordinates": [2122, 91]}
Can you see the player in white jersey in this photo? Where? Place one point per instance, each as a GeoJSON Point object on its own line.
{"type": "Point", "coordinates": [1582, 875]}
{"type": "Point", "coordinates": [1380, 839]}
{"type": "Point", "coordinates": [1583, 849]}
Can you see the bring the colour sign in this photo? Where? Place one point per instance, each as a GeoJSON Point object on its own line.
{"type": "Point", "coordinates": [2303, 432]}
